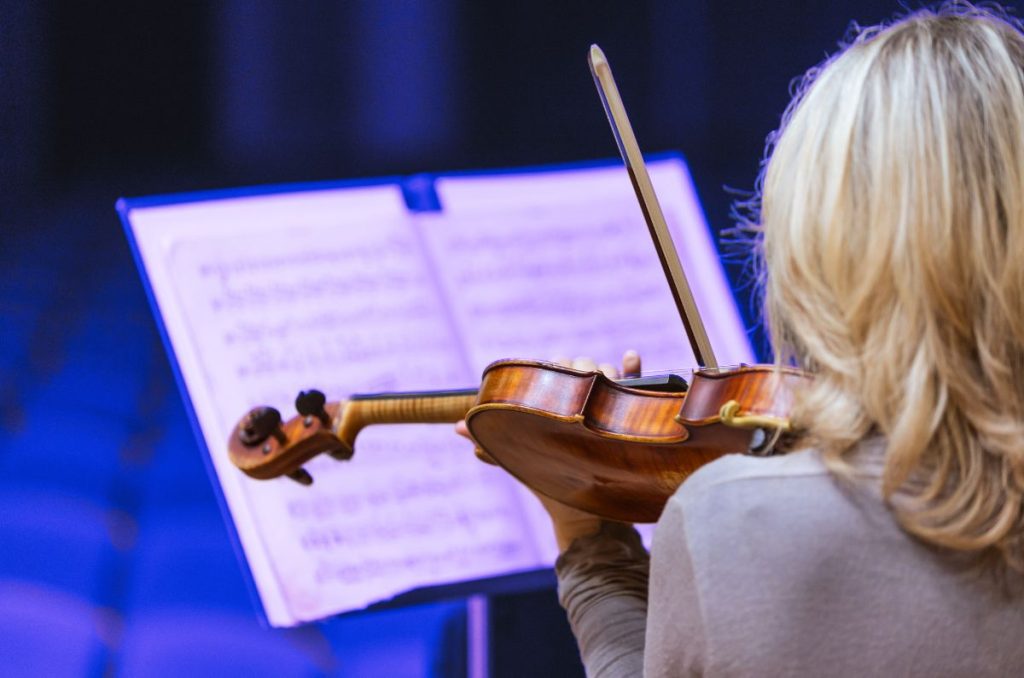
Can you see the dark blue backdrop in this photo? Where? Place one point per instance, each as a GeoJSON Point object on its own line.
{"type": "Point", "coordinates": [114, 558]}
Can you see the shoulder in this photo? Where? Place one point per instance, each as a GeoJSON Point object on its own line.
{"type": "Point", "coordinates": [794, 495]}
{"type": "Point", "coordinates": [742, 479]}
{"type": "Point", "coordinates": [805, 468]}
{"type": "Point", "coordinates": [753, 534]}
{"type": "Point", "coordinates": [732, 469]}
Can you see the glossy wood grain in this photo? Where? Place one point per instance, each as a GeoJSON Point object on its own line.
{"type": "Point", "coordinates": [617, 452]}
{"type": "Point", "coordinates": [577, 437]}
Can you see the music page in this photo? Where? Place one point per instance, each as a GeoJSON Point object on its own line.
{"type": "Point", "coordinates": [263, 296]}
{"type": "Point", "coordinates": [561, 264]}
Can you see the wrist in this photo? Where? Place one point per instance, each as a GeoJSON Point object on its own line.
{"type": "Point", "coordinates": [567, 533]}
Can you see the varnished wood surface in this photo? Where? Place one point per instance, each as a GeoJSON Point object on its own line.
{"type": "Point", "coordinates": [760, 389]}
{"type": "Point", "coordinates": [358, 414]}
{"type": "Point", "coordinates": [304, 438]}
{"type": "Point", "coordinates": [578, 437]}
{"type": "Point", "coordinates": [593, 444]}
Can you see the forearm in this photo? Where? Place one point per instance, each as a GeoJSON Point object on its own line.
{"type": "Point", "coordinates": [602, 584]}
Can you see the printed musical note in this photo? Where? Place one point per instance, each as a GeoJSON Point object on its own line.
{"type": "Point", "coordinates": [562, 265]}
{"type": "Point", "coordinates": [343, 290]}
{"type": "Point", "coordinates": [277, 300]}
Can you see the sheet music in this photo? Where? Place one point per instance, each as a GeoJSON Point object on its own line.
{"type": "Point", "coordinates": [265, 297]}
{"type": "Point", "coordinates": [346, 291]}
{"type": "Point", "coordinates": [549, 264]}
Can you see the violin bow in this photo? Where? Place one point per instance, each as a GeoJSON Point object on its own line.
{"type": "Point", "coordinates": [630, 151]}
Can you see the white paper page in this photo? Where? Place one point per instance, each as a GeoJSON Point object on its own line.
{"type": "Point", "coordinates": [264, 296]}
{"type": "Point", "coordinates": [548, 264]}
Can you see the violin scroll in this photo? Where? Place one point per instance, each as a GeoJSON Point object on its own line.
{"type": "Point", "coordinates": [263, 447]}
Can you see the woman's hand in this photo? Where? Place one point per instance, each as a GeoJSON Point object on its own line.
{"type": "Point", "coordinates": [570, 523]}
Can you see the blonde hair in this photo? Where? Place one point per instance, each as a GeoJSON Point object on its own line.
{"type": "Point", "coordinates": [892, 235]}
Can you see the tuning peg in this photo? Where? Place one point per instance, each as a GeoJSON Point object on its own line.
{"type": "Point", "coordinates": [301, 476]}
{"type": "Point", "coordinates": [258, 425]}
{"type": "Point", "coordinates": [311, 404]}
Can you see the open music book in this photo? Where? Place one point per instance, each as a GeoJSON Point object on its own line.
{"type": "Point", "coordinates": [403, 285]}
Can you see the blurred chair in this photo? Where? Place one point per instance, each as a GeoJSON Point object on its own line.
{"type": "Point", "coordinates": [175, 474]}
{"type": "Point", "coordinates": [106, 359]}
{"type": "Point", "coordinates": [184, 560]}
{"type": "Point", "coordinates": [185, 569]}
{"type": "Point", "coordinates": [31, 281]}
{"type": "Point", "coordinates": [187, 606]}
{"type": "Point", "coordinates": [106, 380]}
{"type": "Point", "coordinates": [207, 643]}
{"type": "Point", "coordinates": [56, 540]}
{"type": "Point", "coordinates": [422, 641]}
{"type": "Point", "coordinates": [18, 318]}
{"type": "Point", "coordinates": [65, 448]}
{"type": "Point", "coordinates": [44, 632]}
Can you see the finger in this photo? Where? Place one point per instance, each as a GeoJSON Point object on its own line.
{"type": "Point", "coordinates": [462, 429]}
{"type": "Point", "coordinates": [584, 364]}
{"type": "Point", "coordinates": [563, 360]}
{"type": "Point", "coordinates": [631, 364]}
{"type": "Point", "coordinates": [609, 370]}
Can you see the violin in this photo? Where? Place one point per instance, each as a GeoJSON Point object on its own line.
{"type": "Point", "coordinates": [615, 448]}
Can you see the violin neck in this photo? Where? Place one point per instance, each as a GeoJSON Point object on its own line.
{"type": "Point", "coordinates": [431, 407]}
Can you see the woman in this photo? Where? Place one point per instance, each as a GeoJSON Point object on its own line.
{"type": "Point", "coordinates": [891, 233]}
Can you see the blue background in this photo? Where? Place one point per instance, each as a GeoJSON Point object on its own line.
{"type": "Point", "coordinates": [113, 556]}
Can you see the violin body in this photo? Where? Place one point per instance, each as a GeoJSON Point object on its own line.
{"type": "Point", "coordinates": [581, 438]}
{"type": "Point", "coordinates": [595, 444]}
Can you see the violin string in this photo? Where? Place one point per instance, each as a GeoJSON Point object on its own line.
{"type": "Point", "coordinates": [681, 371]}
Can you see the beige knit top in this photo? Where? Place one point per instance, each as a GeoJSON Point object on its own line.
{"type": "Point", "coordinates": [773, 567]}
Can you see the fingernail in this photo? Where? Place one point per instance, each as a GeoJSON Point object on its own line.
{"type": "Point", "coordinates": [630, 354]}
